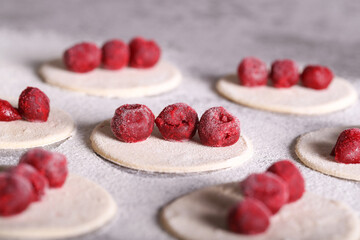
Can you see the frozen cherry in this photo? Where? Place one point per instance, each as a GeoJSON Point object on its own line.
{"type": "Point", "coordinates": [267, 188]}
{"type": "Point", "coordinates": [16, 194]}
{"type": "Point", "coordinates": [347, 147]}
{"type": "Point", "coordinates": [284, 73]}
{"type": "Point", "coordinates": [218, 128]}
{"type": "Point", "coordinates": [316, 77]}
{"type": "Point", "coordinates": [83, 57]}
{"type": "Point", "coordinates": [177, 122]}
{"type": "Point", "coordinates": [143, 54]}
{"type": "Point", "coordinates": [7, 112]}
{"type": "Point", "coordinates": [51, 165]}
{"type": "Point", "coordinates": [34, 105]}
{"type": "Point", "coordinates": [132, 123]}
{"type": "Point", "coordinates": [250, 216]}
{"type": "Point", "coordinates": [252, 72]}
{"type": "Point", "coordinates": [291, 175]}
{"type": "Point", "coordinates": [115, 54]}
{"type": "Point", "coordinates": [39, 182]}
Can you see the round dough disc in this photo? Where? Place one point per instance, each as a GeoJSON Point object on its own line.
{"type": "Point", "coordinates": [158, 155]}
{"type": "Point", "coordinates": [202, 215]}
{"type": "Point", "coordinates": [24, 134]}
{"type": "Point", "coordinates": [79, 207]}
{"type": "Point", "coordinates": [314, 149]}
{"type": "Point", "coordinates": [124, 83]}
{"type": "Point", "coordinates": [295, 100]}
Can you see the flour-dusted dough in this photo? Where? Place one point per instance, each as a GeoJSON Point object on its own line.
{"type": "Point", "coordinates": [124, 83]}
{"type": "Point", "coordinates": [295, 100]}
{"type": "Point", "coordinates": [158, 155]}
{"type": "Point", "coordinates": [24, 134]}
{"type": "Point", "coordinates": [79, 207]}
{"type": "Point", "coordinates": [202, 215]}
{"type": "Point", "coordinates": [314, 149]}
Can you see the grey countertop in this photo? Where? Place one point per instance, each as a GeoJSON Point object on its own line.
{"type": "Point", "coordinates": [205, 39]}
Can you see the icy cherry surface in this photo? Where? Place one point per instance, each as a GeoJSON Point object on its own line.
{"type": "Point", "coordinates": [252, 72]}
{"type": "Point", "coordinates": [218, 128]}
{"type": "Point", "coordinates": [83, 57]}
{"type": "Point", "coordinates": [34, 105]}
{"type": "Point", "coordinates": [284, 73]}
{"type": "Point", "coordinates": [177, 122]}
{"type": "Point", "coordinates": [143, 53]}
{"type": "Point", "coordinates": [132, 123]}
{"type": "Point", "coordinates": [7, 112]}
{"type": "Point", "coordinates": [16, 194]}
{"type": "Point", "coordinates": [267, 188]}
{"type": "Point", "coordinates": [250, 216]}
{"type": "Point", "coordinates": [291, 175]}
{"type": "Point", "coordinates": [38, 181]}
{"type": "Point", "coordinates": [52, 165]}
{"type": "Point", "coordinates": [347, 147]}
{"type": "Point", "coordinates": [316, 77]}
{"type": "Point", "coordinates": [115, 54]}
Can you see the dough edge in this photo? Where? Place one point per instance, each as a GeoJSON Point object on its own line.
{"type": "Point", "coordinates": [167, 226]}
{"type": "Point", "coordinates": [318, 167]}
{"type": "Point", "coordinates": [69, 131]}
{"type": "Point", "coordinates": [131, 92]}
{"type": "Point", "coordinates": [313, 111]}
{"type": "Point", "coordinates": [228, 163]}
{"type": "Point", "coordinates": [57, 233]}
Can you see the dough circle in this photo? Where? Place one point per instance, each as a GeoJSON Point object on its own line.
{"type": "Point", "coordinates": [202, 215]}
{"type": "Point", "coordinates": [24, 134]}
{"type": "Point", "coordinates": [79, 207]}
{"type": "Point", "coordinates": [295, 100]}
{"type": "Point", "coordinates": [158, 155]}
{"type": "Point", "coordinates": [124, 83]}
{"type": "Point", "coordinates": [314, 149]}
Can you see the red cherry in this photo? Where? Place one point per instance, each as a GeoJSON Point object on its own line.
{"type": "Point", "coordinates": [39, 182]}
{"type": "Point", "coordinates": [115, 54]}
{"type": "Point", "coordinates": [51, 165]}
{"type": "Point", "coordinates": [291, 175]}
{"type": "Point", "coordinates": [132, 123]}
{"type": "Point", "coordinates": [7, 112]}
{"type": "Point", "coordinates": [347, 147]}
{"type": "Point", "coordinates": [143, 54]}
{"type": "Point", "coordinates": [252, 72]}
{"type": "Point", "coordinates": [16, 194]}
{"type": "Point", "coordinates": [316, 77]}
{"type": "Point", "coordinates": [284, 73]}
{"type": "Point", "coordinates": [177, 122]}
{"type": "Point", "coordinates": [267, 188]}
{"type": "Point", "coordinates": [218, 128]}
{"type": "Point", "coordinates": [250, 216]}
{"type": "Point", "coordinates": [34, 105]}
{"type": "Point", "coordinates": [83, 57]}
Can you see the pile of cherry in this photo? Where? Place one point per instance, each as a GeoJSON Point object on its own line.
{"type": "Point", "coordinates": [114, 55]}
{"type": "Point", "coordinates": [252, 72]}
{"type": "Point", "coordinates": [264, 195]}
{"type": "Point", "coordinates": [177, 122]}
{"type": "Point", "coordinates": [33, 106]}
{"type": "Point", "coordinates": [27, 182]}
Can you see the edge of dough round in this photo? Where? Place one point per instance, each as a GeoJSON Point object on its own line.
{"type": "Point", "coordinates": [51, 139]}
{"type": "Point", "coordinates": [175, 214]}
{"type": "Point", "coordinates": [338, 105]}
{"type": "Point", "coordinates": [316, 161]}
{"type": "Point", "coordinates": [232, 162]}
{"type": "Point", "coordinates": [130, 92]}
{"type": "Point", "coordinates": [61, 232]}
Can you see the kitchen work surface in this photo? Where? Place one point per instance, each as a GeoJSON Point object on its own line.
{"type": "Point", "coordinates": [206, 40]}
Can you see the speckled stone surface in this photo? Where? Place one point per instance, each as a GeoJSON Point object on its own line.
{"type": "Point", "coordinates": [206, 40]}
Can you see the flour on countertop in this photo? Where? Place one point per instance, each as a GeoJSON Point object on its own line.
{"type": "Point", "coordinates": [143, 194]}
